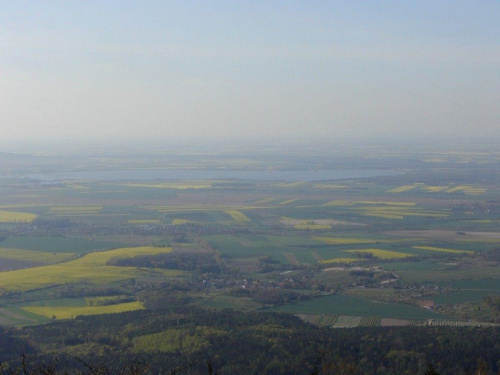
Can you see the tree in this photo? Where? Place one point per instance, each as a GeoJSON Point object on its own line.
{"type": "Point", "coordinates": [431, 371]}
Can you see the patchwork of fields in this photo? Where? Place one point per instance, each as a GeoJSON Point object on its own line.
{"type": "Point", "coordinates": [354, 252]}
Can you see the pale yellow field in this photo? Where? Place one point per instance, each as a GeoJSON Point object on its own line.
{"type": "Point", "coordinates": [289, 201]}
{"type": "Point", "coordinates": [402, 189]}
{"type": "Point", "coordinates": [383, 203]}
{"type": "Point", "coordinates": [76, 186]}
{"type": "Point", "coordinates": [380, 204]}
{"type": "Point", "coordinates": [434, 160]}
{"type": "Point", "coordinates": [63, 312]}
{"type": "Point", "coordinates": [345, 241]}
{"type": "Point", "coordinates": [103, 300]}
{"type": "Point", "coordinates": [330, 186]}
{"type": "Point", "coordinates": [307, 224]}
{"type": "Point", "coordinates": [379, 253]}
{"type": "Point", "coordinates": [399, 212]}
{"type": "Point", "coordinates": [312, 226]}
{"type": "Point", "coordinates": [34, 256]}
{"type": "Point", "coordinates": [265, 200]}
{"type": "Point", "coordinates": [291, 184]}
{"type": "Point", "coordinates": [165, 209]}
{"type": "Point", "coordinates": [75, 208]}
{"type": "Point", "coordinates": [16, 206]}
{"type": "Point", "coordinates": [435, 189]}
{"type": "Point", "coordinates": [173, 185]}
{"type": "Point", "coordinates": [237, 215]}
{"type": "Point", "coordinates": [338, 260]}
{"type": "Point", "coordinates": [443, 250]}
{"type": "Point", "coordinates": [145, 221]}
{"type": "Point", "coordinates": [182, 221]}
{"type": "Point", "coordinates": [335, 203]}
{"type": "Point", "coordinates": [467, 189]}
{"type": "Point", "coordinates": [16, 217]}
{"type": "Point", "coordinates": [101, 257]}
{"type": "Point", "coordinates": [384, 215]}
{"type": "Point", "coordinates": [90, 268]}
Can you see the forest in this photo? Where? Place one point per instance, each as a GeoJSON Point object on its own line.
{"type": "Point", "coordinates": [256, 343]}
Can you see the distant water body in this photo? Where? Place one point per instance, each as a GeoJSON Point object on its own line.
{"type": "Point", "coordinates": [214, 174]}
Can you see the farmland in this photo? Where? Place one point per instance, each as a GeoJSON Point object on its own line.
{"type": "Point", "coordinates": [90, 268]}
{"type": "Point", "coordinates": [63, 312]}
{"type": "Point", "coordinates": [16, 217]}
{"type": "Point", "coordinates": [415, 240]}
{"type": "Point", "coordinates": [353, 306]}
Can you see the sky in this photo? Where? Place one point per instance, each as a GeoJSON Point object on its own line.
{"type": "Point", "coordinates": [222, 70]}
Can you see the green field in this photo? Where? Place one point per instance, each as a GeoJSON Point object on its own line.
{"type": "Point", "coordinates": [34, 256]}
{"type": "Point", "coordinates": [346, 305]}
{"type": "Point", "coordinates": [56, 244]}
{"type": "Point", "coordinates": [460, 296]}
{"type": "Point", "coordinates": [486, 284]}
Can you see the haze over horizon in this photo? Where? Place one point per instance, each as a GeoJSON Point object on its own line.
{"type": "Point", "coordinates": [220, 70]}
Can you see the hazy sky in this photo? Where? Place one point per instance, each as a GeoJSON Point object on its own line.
{"type": "Point", "coordinates": [166, 70]}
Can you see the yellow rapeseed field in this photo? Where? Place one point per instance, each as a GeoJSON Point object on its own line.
{"type": "Point", "coordinates": [443, 250]}
{"type": "Point", "coordinates": [103, 300]}
{"type": "Point", "coordinates": [165, 209]}
{"type": "Point", "coordinates": [335, 203]}
{"type": "Point", "coordinates": [288, 201]}
{"type": "Point", "coordinates": [173, 185]}
{"type": "Point", "coordinates": [237, 215]}
{"type": "Point", "coordinates": [75, 208]}
{"type": "Point", "coordinates": [345, 241]}
{"type": "Point", "coordinates": [380, 204]}
{"type": "Point", "coordinates": [290, 184]}
{"type": "Point", "coordinates": [16, 217]}
{"type": "Point", "coordinates": [312, 226]}
{"type": "Point", "coordinates": [383, 203]}
{"type": "Point", "coordinates": [64, 312]}
{"type": "Point", "coordinates": [76, 186]}
{"type": "Point", "coordinates": [379, 253]}
{"type": "Point", "coordinates": [330, 186]}
{"type": "Point", "coordinates": [399, 212]}
{"type": "Point", "coordinates": [90, 268]}
{"type": "Point", "coordinates": [467, 189]}
{"type": "Point", "coordinates": [402, 189]}
{"type": "Point", "coordinates": [383, 215]}
{"type": "Point", "coordinates": [435, 189]}
{"type": "Point", "coordinates": [338, 260]}
{"type": "Point", "coordinates": [265, 200]}
{"type": "Point", "coordinates": [182, 221]}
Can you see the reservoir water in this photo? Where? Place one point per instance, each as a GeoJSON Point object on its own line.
{"type": "Point", "coordinates": [214, 174]}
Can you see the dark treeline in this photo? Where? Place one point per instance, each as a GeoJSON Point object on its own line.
{"type": "Point", "coordinates": [257, 343]}
{"type": "Point", "coordinates": [202, 262]}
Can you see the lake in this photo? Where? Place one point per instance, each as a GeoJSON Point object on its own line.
{"type": "Point", "coordinates": [214, 174]}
